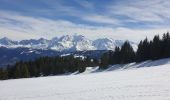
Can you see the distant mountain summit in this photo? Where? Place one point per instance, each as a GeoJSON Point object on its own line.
{"type": "Point", "coordinates": [7, 42]}
{"type": "Point", "coordinates": [66, 43]}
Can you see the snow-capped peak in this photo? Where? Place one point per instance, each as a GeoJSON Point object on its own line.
{"type": "Point", "coordinates": [105, 44]}
{"type": "Point", "coordinates": [7, 42]}
{"type": "Point", "coordinates": [67, 43]}
{"type": "Point", "coordinates": [5, 39]}
{"type": "Point", "coordinates": [66, 38]}
{"type": "Point", "coordinates": [71, 43]}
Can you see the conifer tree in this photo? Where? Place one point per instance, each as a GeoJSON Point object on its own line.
{"type": "Point", "coordinates": [17, 72]}
{"type": "Point", "coordinates": [156, 48]}
{"type": "Point", "coordinates": [25, 72]}
{"type": "Point", "coordinates": [127, 53]}
{"type": "Point", "coordinates": [3, 74]}
{"type": "Point", "coordinates": [143, 51]}
{"type": "Point", "coordinates": [166, 45]}
{"type": "Point", "coordinates": [104, 63]}
{"type": "Point", "coordinates": [140, 53]}
{"type": "Point", "coordinates": [116, 56]}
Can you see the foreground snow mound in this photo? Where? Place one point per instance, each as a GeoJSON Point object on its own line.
{"type": "Point", "coordinates": [151, 82]}
{"type": "Point", "coordinates": [119, 67]}
{"type": "Point", "coordinates": [148, 63]}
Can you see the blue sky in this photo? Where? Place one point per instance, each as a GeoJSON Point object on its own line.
{"type": "Point", "coordinates": [118, 19]}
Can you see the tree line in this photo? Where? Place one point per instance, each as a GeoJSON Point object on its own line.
{"type": "Point", "coordinates": [157, 48]}
{"type": "Point", "coordinates": [46, 66]}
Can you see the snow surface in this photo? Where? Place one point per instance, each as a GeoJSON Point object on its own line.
{"type": "Point", "coordinates": [149, 82]}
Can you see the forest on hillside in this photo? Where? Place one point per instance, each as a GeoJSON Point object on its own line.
{"type": "Point", "coordinates": [157, 48]}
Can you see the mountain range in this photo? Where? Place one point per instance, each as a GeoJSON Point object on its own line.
{"type": "Point", "coordinates": [66, 43]}
{"type": "Point", "coordinates": [12, 51]}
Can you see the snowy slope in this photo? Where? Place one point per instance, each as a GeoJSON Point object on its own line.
{"type": "Point", "coordinates": [66, 43]}
{"type": "Point", "coordinates": [106, 43]}
{"type": "Point", "coordinates": [151, 82]}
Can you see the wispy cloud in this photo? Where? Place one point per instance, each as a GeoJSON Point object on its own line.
{"type": "Point", "coordinates": [86, 4]}
{"type": "Point", "coordinates": [101, 19]}
{"type": "Point", "coordinates": [30, 27]}
{"type": "Point", "coordinates": [59, 8]}
{"type": "Point", "coordinates": [143, 10]}
{"type": "Point", "coordinates": [122, 20]}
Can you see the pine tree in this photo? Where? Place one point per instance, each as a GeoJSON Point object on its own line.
{"type": "Point", "coordinates": [116, 58]}
{"type": "Point", "coordinates": [3, 74]}
{"type": "Point", "coordinates": [17, 72]}
{"type": "Point", "coordinates": [111, 56]}
{"type": "Point", "coordinates": [104, 63]}
{"type": "Point", "coordinates": [127, 53]}
{"type": "Point", "coordinates": [156, 48]}
{"type": "Point", "coordinates": [143, 51]}
{"type": "Point", "coordinates": [25, 72]}
{"type": "Point", "coordinates": [166, 45]}
{"type": "Point", "coordinates": [139, 53]}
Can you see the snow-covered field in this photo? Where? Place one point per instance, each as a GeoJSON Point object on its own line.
{"type": "Point", "coordinates": [151, 82]}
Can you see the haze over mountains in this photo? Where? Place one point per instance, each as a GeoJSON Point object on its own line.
{"type": "Point", "coordinates": [66, 43]}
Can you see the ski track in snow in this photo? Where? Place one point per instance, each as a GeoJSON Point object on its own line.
{"type": "Point", "coordinates": [147, 83]}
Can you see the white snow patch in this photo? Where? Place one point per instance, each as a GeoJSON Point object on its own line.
{"type": "Point", "coordinates": [151, 82]}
